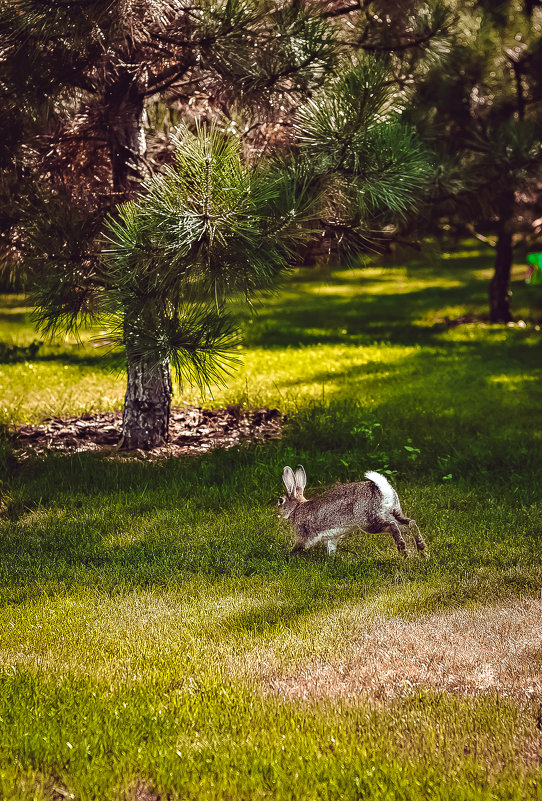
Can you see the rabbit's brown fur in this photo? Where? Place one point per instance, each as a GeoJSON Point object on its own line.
{"type": "Point", "coordinates": [372, 506]}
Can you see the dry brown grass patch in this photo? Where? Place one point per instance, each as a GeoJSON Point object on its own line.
{"type": "Point", "coordinates": [494, 649]}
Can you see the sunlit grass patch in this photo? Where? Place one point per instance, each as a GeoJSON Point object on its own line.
{"type": "Point", "coordinates": [314, 339]}
{"type": "Point", "coordinates": [33, 391]}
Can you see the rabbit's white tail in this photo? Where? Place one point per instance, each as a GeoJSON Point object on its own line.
{"type": "Point", "coordinates": [388, 493]}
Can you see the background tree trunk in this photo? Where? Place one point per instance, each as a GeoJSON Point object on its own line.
{"type": "Point", "coordinates": [499, 288]}
{"type": "Point", "coordinates": [145, 421]}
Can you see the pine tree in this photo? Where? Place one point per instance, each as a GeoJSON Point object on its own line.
{"type": "Point", "coordinates": [77, 79]}
{"type": "Point", "coordinates": [104, 60]}
{"type": "Point", "coordinates": [215, 226]}
{"type": "Point", "coordinates": [207, 229]}
{"type": "Point", "coordinates": [369, 165]}
{"type": "Point", "coordinates": [248, 64]}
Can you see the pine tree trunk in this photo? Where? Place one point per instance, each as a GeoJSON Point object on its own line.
{"type": "Point", "coordinates": [145, 421]}
{"type": "Point", "coordinates": [147, 403]}
{"type": "Point", "coordinates": [499, 288]}
{"type": "Point", "coordinates": [124, 100]}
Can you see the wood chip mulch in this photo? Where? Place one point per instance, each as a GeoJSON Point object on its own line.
{"type": "Point", "coordinates": [191, 430]}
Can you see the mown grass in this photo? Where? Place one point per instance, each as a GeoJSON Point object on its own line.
{"type": "Point", "coordinates": [142, 604]}
{"type": "Point", "coordinates": [224, 742]}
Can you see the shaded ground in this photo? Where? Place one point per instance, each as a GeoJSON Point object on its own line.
{"type": "Point", "coordinates": [191, 430]}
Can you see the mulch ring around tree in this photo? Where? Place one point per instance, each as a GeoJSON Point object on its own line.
{"type": "Point", "coordinates": [191, 430]}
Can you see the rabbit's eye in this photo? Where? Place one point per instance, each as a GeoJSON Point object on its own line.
{"type": "Point", "coordinates": [281, 501]}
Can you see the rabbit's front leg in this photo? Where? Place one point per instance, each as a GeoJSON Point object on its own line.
{"type": "Point", "coordinates": [301, 539]}
{"type": "Point", "coordinates": [330, 537]}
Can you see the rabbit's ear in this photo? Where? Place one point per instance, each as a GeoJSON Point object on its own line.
{"type": "Point", "coordinates": [289, 480]}
{"type": "Point", "coordinates": [300, 480]}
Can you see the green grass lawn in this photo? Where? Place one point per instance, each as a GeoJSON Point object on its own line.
{"type": "Point", "coordinates": [159, 641]}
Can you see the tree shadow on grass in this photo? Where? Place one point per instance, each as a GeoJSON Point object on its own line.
{"type": "Point", "coordinates": [16, 317]}
{"type": "Point", "coordinates": [350, 321]}
{"type": "Point", "coordinates": [367, 315]}
{"type": "Point", "coordinates": [488, 357]}
{"type": "Point", "coordinates": [106, 361]}
{"type": "Point", "coordinates": [358, 320]}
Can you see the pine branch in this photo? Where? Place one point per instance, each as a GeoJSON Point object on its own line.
{"type": "Point", "coordinates": [343, 10]}
{"type": "Point", "coordinates": [167, 78]}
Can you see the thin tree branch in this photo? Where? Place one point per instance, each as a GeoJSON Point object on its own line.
{"type": "Point", "coordinates": [167, 78]}
{"type": "Point", "coordinates": [398, 47]}
{"type": "Point", "coordinates": [339, 12]}
{"type": "Point", "coordinates": [492, 243]}
{"type": "Point", "coordinates": [288, 71]}
{"type": "Point", "coordinates": [165, 51]}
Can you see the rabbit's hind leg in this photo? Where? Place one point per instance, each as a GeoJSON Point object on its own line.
{"type": "Point", "coordinates": [421, 546]}
{"type": "Point", "coordinates": [420, 542]}
{"type": "Point", "coordinates": [391, 525]}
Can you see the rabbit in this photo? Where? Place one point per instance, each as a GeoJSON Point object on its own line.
{"type": "Point", "coordinates": [371, 505]}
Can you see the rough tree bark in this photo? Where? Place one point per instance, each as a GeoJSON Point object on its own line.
{"type": "Point", "coordinates": [145, 420]}
{"type": "Point", "coordinates": [499, 288]}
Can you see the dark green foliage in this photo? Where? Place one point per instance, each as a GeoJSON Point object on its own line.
{"type": "Point", "coordinates": [74, 81]}
{"type": "Point", "coordinates": [213, 226]}
{"type": "Point", "coordinates": [76, 73]}
{"type": "Point", "coordinates": [370, 166]}
{"type": "Point", "coordinates": [480, 108]}
{"type": "Point", "coordinates": [62, 257]}
{"type": "Point", "coordinates": [210, 224]}
{"type": "Point", "coordinates": [262, 50]}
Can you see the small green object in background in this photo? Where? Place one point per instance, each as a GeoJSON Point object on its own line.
{"type": "Point", "coordinates": [534, 276]}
